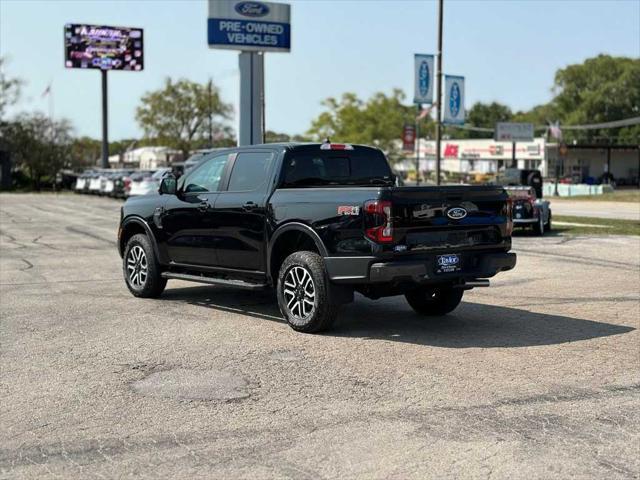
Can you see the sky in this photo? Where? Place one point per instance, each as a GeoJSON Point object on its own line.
{"type": "Point", "coordinates": [508, 51]}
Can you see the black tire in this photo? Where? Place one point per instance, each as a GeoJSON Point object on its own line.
{"type": "Point", "coordinates": [538, 227]}
{"type": "Point", "coordinates": [435, 300]}
{"type": "Point", "coordinates": [548, 225]}
{"type": "Point", "coordinates": [305, 312]}
{"type": "Point", "coordinates": [135, 264]}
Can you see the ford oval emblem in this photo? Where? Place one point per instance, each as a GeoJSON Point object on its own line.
{"type": "Point", "coordinates": [252, 9]}
{"type": "Point", "coordinates": [456, 213]}
{"type": "Point", "coordinates": [424, 78]}
{"type": "Point", "coordinates": [454, 99]}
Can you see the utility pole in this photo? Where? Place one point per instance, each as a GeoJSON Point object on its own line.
{"type": "Point", "coordinates": [439, 92]}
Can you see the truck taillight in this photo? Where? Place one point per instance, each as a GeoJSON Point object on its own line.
{"type": "Point", "coordinates": [378, 221]}
{"type": "Point", "coordinates": [509, 215]}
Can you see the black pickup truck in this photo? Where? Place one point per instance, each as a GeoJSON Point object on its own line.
{"type": "Point", "coordinates": [316, 222]}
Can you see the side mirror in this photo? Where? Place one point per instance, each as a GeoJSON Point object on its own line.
{"type": "Point", "coordinates": [168, 185]}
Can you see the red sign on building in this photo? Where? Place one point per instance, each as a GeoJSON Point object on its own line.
{"type": "Point", "coordinates": [451, 150]}
{"type": "Point", "coordinates": [409, 138]}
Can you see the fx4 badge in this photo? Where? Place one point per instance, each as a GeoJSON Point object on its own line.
{"type": "Point", "coordinates": [348, 210]}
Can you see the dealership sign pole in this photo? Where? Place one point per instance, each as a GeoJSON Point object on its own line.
{"type": "Point", "coordinates": [104, 48]}
{"type": "Point", "coordinates": [423, 93]}
{"type": "Point", "coordinates": [253, 28]}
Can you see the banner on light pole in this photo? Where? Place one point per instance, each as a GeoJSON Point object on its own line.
{"type": "Point", "coordinates": [423, 78]}
{"type": "Point", "coordinates": [453, 100]}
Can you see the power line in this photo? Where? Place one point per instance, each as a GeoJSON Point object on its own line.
{"type": "Point", "coordinates": [592, 126]}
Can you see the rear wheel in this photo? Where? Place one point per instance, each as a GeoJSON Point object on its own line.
{"type": "Point", "coordinates": [303, 293]}
{"type": "Point", "coordinates": [141, 269]}
{"type": "Point", "coordinates": [548, 225]}
{"type": "Point", "coordinates": [432, 301]}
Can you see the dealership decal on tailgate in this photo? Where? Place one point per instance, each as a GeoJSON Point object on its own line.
{"type": "Point", "coordinates": [448, 263]}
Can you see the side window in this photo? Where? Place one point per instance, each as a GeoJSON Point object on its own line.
{"type": "Point", "coordinates": [250, 171]}
{"type": "Point", "coordinates": [206, 177]}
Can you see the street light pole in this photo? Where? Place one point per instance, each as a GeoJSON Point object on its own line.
{"type": "Point", "coordinates": [439, 91]}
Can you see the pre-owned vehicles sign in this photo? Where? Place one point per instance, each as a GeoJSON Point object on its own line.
{"type": "Point", "coordinates": [249, 26]}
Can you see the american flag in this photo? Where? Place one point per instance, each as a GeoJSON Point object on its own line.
{"type": "Point", "coordinates": [555, 131]}
{"type": "Point", "coordinates": [424, 112]}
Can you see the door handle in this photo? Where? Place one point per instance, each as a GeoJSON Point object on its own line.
{"type": "Point", "coordinates": [249, 206]}
{"type": "Point", "coordinates": [203, 207]}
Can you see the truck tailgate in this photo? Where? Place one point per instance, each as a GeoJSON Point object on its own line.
{"type": "Point", "coordinates": [426, 218]}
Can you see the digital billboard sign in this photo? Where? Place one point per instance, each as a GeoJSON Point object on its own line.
{"type": "Point", "coordinates": [103, 47]}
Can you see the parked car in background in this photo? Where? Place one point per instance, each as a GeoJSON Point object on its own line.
{"type": "Point", "coordinates": [95, 183]}
{"type": "Point", "coordinates": [82, 182]}
{"type": "Point", "coordinates": [528, 210]}
{"type": "Point", "coordinates": [120, 183]}
{"type": "Point", "coordinates": [147, 182]}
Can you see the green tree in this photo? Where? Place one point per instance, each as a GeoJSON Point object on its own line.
{"type": "Point", "coordinates": [84, 152]}
{"type": "Point", "coordinates": [184, 113]}
{"type": "Point", "coordinates": [39, 146]}
{"type": "Point", "coordinates": [9, 89]}
{"type": "Point", "coordinates": [377, 121]}
{"type": "Point", "coordinates": [600, 89]}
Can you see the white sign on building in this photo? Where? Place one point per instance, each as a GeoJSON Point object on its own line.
{"type": "Point", "coordinates": [453, 100]}
{"type": "Point", "coordinates": [423, 78]}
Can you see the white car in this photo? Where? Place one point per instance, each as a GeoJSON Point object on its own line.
{"type": "Point", "coordinates": [80, 183]}
{"type": "Point", "coordinates": [95, 184]}
{"type": "Point", "coordinates": [144, 183]}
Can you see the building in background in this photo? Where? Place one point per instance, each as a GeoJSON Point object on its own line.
{"type": "Point", "coordinates": [593, 163]}
{"type": "Point", "coordinates": [478, 156]}
{"type": "Point", "coordinates": [583, 163]}
{"type": "Point", "coordinates": [146, 158]}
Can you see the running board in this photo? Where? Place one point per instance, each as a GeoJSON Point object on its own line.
{"type": "Point", "coordinates": [215, 281]}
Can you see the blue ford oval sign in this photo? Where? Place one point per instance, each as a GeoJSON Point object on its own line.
{"type": "Point", "coordinates": [456, 213]}
{"type": "Point", "coordinates": [423, 78]}
{"type": "Point", "coordinates": [252, 9]}
{"type": "Point", "coordinates": [454, 99]}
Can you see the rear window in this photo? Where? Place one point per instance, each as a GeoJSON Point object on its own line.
{"type": "Point", "coordinates": [336, 167]}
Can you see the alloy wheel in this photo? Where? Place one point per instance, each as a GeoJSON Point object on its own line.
{"type": "Point", "coordinates": [299, 292]}
{"type": "Point", "coordinates": [137, 266]}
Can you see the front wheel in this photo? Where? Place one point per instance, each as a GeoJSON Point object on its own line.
{"type": "Point", "coordinates": [433, 301]}
{"type": "Point", "coordinates": [304, 294]}
{"type": "Point", "coordinates": [141, 269]}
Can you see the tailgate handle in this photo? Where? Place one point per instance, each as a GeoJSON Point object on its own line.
{"type": "Point", "coordinates": [249, 206]}
{"type": "Point", "coordinates": [203, 207]}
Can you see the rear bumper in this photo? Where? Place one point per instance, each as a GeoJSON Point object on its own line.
{"type": "Point", "coordinates": [368, 270]}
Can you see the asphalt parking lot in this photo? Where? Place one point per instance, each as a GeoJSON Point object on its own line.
{"type": "Point", "coordinates": [536, 377]}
